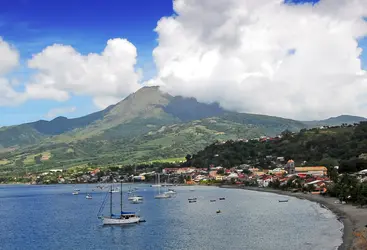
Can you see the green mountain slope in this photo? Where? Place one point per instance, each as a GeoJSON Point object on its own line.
{"type": "Point", "coordinates": [336, 121]}
{"type": "Point", "coordinates": [343, 146]}
{"type": "Point", "coordinates": [23, 134]}
{"type": "Point", "coordinates": [147, 125]}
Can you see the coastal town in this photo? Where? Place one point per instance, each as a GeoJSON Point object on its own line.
{"type": "Point", "coordinates": [300, 178]}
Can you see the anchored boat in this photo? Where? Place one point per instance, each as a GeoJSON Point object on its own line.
{"type": "Point", "coordinates": [285, 200]}
{"type": "Point", "coordinates": [161, 195]}
{"type": "Point", "coordinates": [123, 218]}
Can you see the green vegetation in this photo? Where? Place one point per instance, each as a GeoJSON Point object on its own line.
{"type": "Point", "coordinates": [348, 188]}
{"type": "Point", "coordinates": [36, 158]}
{"type": "Point", "coordinates": [344, 146]}
{"type": "Point", "coordinates": [4, 161]}
{"type": "Point", "coordinates": [345, 187]}
{"type": "Point", "coordinates": [147, 126]}
{"type": "Point", "coordinates": [168, 160]}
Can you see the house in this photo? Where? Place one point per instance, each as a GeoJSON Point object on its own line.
{"type": "Point", "coordinates": [312, 170]}
{"type": "Point", "coordinates": [280, 158]}
{"type": "Point", "coordinates": [95, 171]}
{"type": "Point", "coordinates": [253, 169]}
{"type": "Point", "coordinates": [319, 185]}
{"type": "Point", "coordinates": [45, 157]}
{"type": "Point", "coordinates": [264, 180]}
{"type": "Point", "coordinates": [219, 177]}
{"type": "Point", "coordinates": [277, 171]}
{"type": "Point", "coordinates": [55, 170]}
{"type": "Point", "coordinates": [169, 170]}
{"type": "Point", "coordinates": [290, 167]}
{"type": "Point", "coordinates": [232, 175]}
{"type": "Point", "coordinates": [199, 178]}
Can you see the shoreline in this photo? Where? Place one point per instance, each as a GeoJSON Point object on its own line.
{"type": "Point", "coordinates": [354, 219]}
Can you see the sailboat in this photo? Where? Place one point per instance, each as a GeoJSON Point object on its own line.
{"type": "Point", "coordinates": [133, 196]}
{"type": "Point", "coordinates": [88, 196]}
{"type": "Point", "coordinates": [115, 190]}
{"type": "Point", "coordinates": [156, 184]}
{"type": "Point", "coordinates": [161, 195]}
{"type": "Point", "coordinates": [170, 192]}
{"type": "Point", "coordinates": [123, 218]}
{"type": "Point", "coordinates": [76, 191]}
{"type": "Point", "coordinates": [136, 200]}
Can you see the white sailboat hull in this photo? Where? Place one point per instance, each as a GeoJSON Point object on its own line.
{"type": "Point", "coordinates": [116, 221]}
{"type": "Point", "coordinates": [136, 202]}
{"type": "Point", "coordinates": [162, 196]}
{"type": "Point", "coordinates": [135, 198]}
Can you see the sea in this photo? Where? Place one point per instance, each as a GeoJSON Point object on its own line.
{"type": "Point", "coordinates": [50, 217]}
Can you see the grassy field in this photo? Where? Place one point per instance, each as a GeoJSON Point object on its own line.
{"type": "Point", "coordinates": [168, 160]}
{"type": "Point", "coordinates": [30, 158]}
{"type": "Point", "coordinates": [3, 162]}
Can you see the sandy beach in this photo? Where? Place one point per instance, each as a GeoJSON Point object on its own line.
{"type": "Point", "coordinates": [353, 218]}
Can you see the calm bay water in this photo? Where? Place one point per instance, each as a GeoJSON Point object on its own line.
{"type": "Point", "coordinates": [50, 217]}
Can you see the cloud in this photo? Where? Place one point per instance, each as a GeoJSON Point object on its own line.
{"type": "Point", "coordinates": [59, 111]}
{"type": "Point", "coordinates": [9, 60]}
{"type": "Point", "coordinates": [107, 77]}
{"type": "Point", "coordinates": [8, 96]}
{"type": "Point", "coordinates": [264, 56]}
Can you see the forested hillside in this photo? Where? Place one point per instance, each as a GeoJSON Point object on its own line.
{"type": "Point", "coordinates": [345, 146]}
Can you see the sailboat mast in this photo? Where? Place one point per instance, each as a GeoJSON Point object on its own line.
{"type": "Point", "coordinates": [159, 186]}
{"type": "Point", "coordinates": [121, 197]}
{"type": "Point", "coordinates": [111, 201]}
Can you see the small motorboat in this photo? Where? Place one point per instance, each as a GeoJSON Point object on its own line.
{"type": "Point", "coordinates": [222, 199]}
{"type": "Point", "coordinates": [114, 190]}
{"type": "Point", "coordinates": [75, 193]}
{"type": "Point", "coordinates": [88, 197]}
{"type": "Point", "coordinates": [284, 200]}
{"type": "Point", "coordinates": [218, 211]}
{"type": "Point", "coordinates": [171, 191]}
{"type": "Point", "coordinates": [138, 197]}
{"type": "Point", "coordinates": [136, 200]}
{"type": "Point", "coordinates": [192, 201]}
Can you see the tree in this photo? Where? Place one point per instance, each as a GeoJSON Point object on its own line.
{"type": "Point", "coordinates": [333, 174]}
{"type": "Point", "coordinates": [37, 159]}
{"type": "Point", "coordinates": [188, 162]}
{"type": "Point", "coordinates": [220, 171]}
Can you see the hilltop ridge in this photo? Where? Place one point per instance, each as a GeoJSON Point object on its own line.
{"type": "Point", "coordinates": [147, 125]}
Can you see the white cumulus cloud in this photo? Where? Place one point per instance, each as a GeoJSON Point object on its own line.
{"type": "Point", "coordinates": [9, 60]}
{"type": "Point", "coordinates": [264, 56]}
{"type": "Point", "coordinates": [59, 111]}
{"type": "Point", "coordinates": [107, 77]}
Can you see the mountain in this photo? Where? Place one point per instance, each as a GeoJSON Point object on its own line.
{"type": "Point", "coordinates": [336, 121]}
{"type": "Point", "coordinates": [137, 114]}
{"type": "Point", "coordinates": [147, 125]}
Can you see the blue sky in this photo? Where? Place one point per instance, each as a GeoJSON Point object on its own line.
{"type": "Point", "coordinates": [86, 25]}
